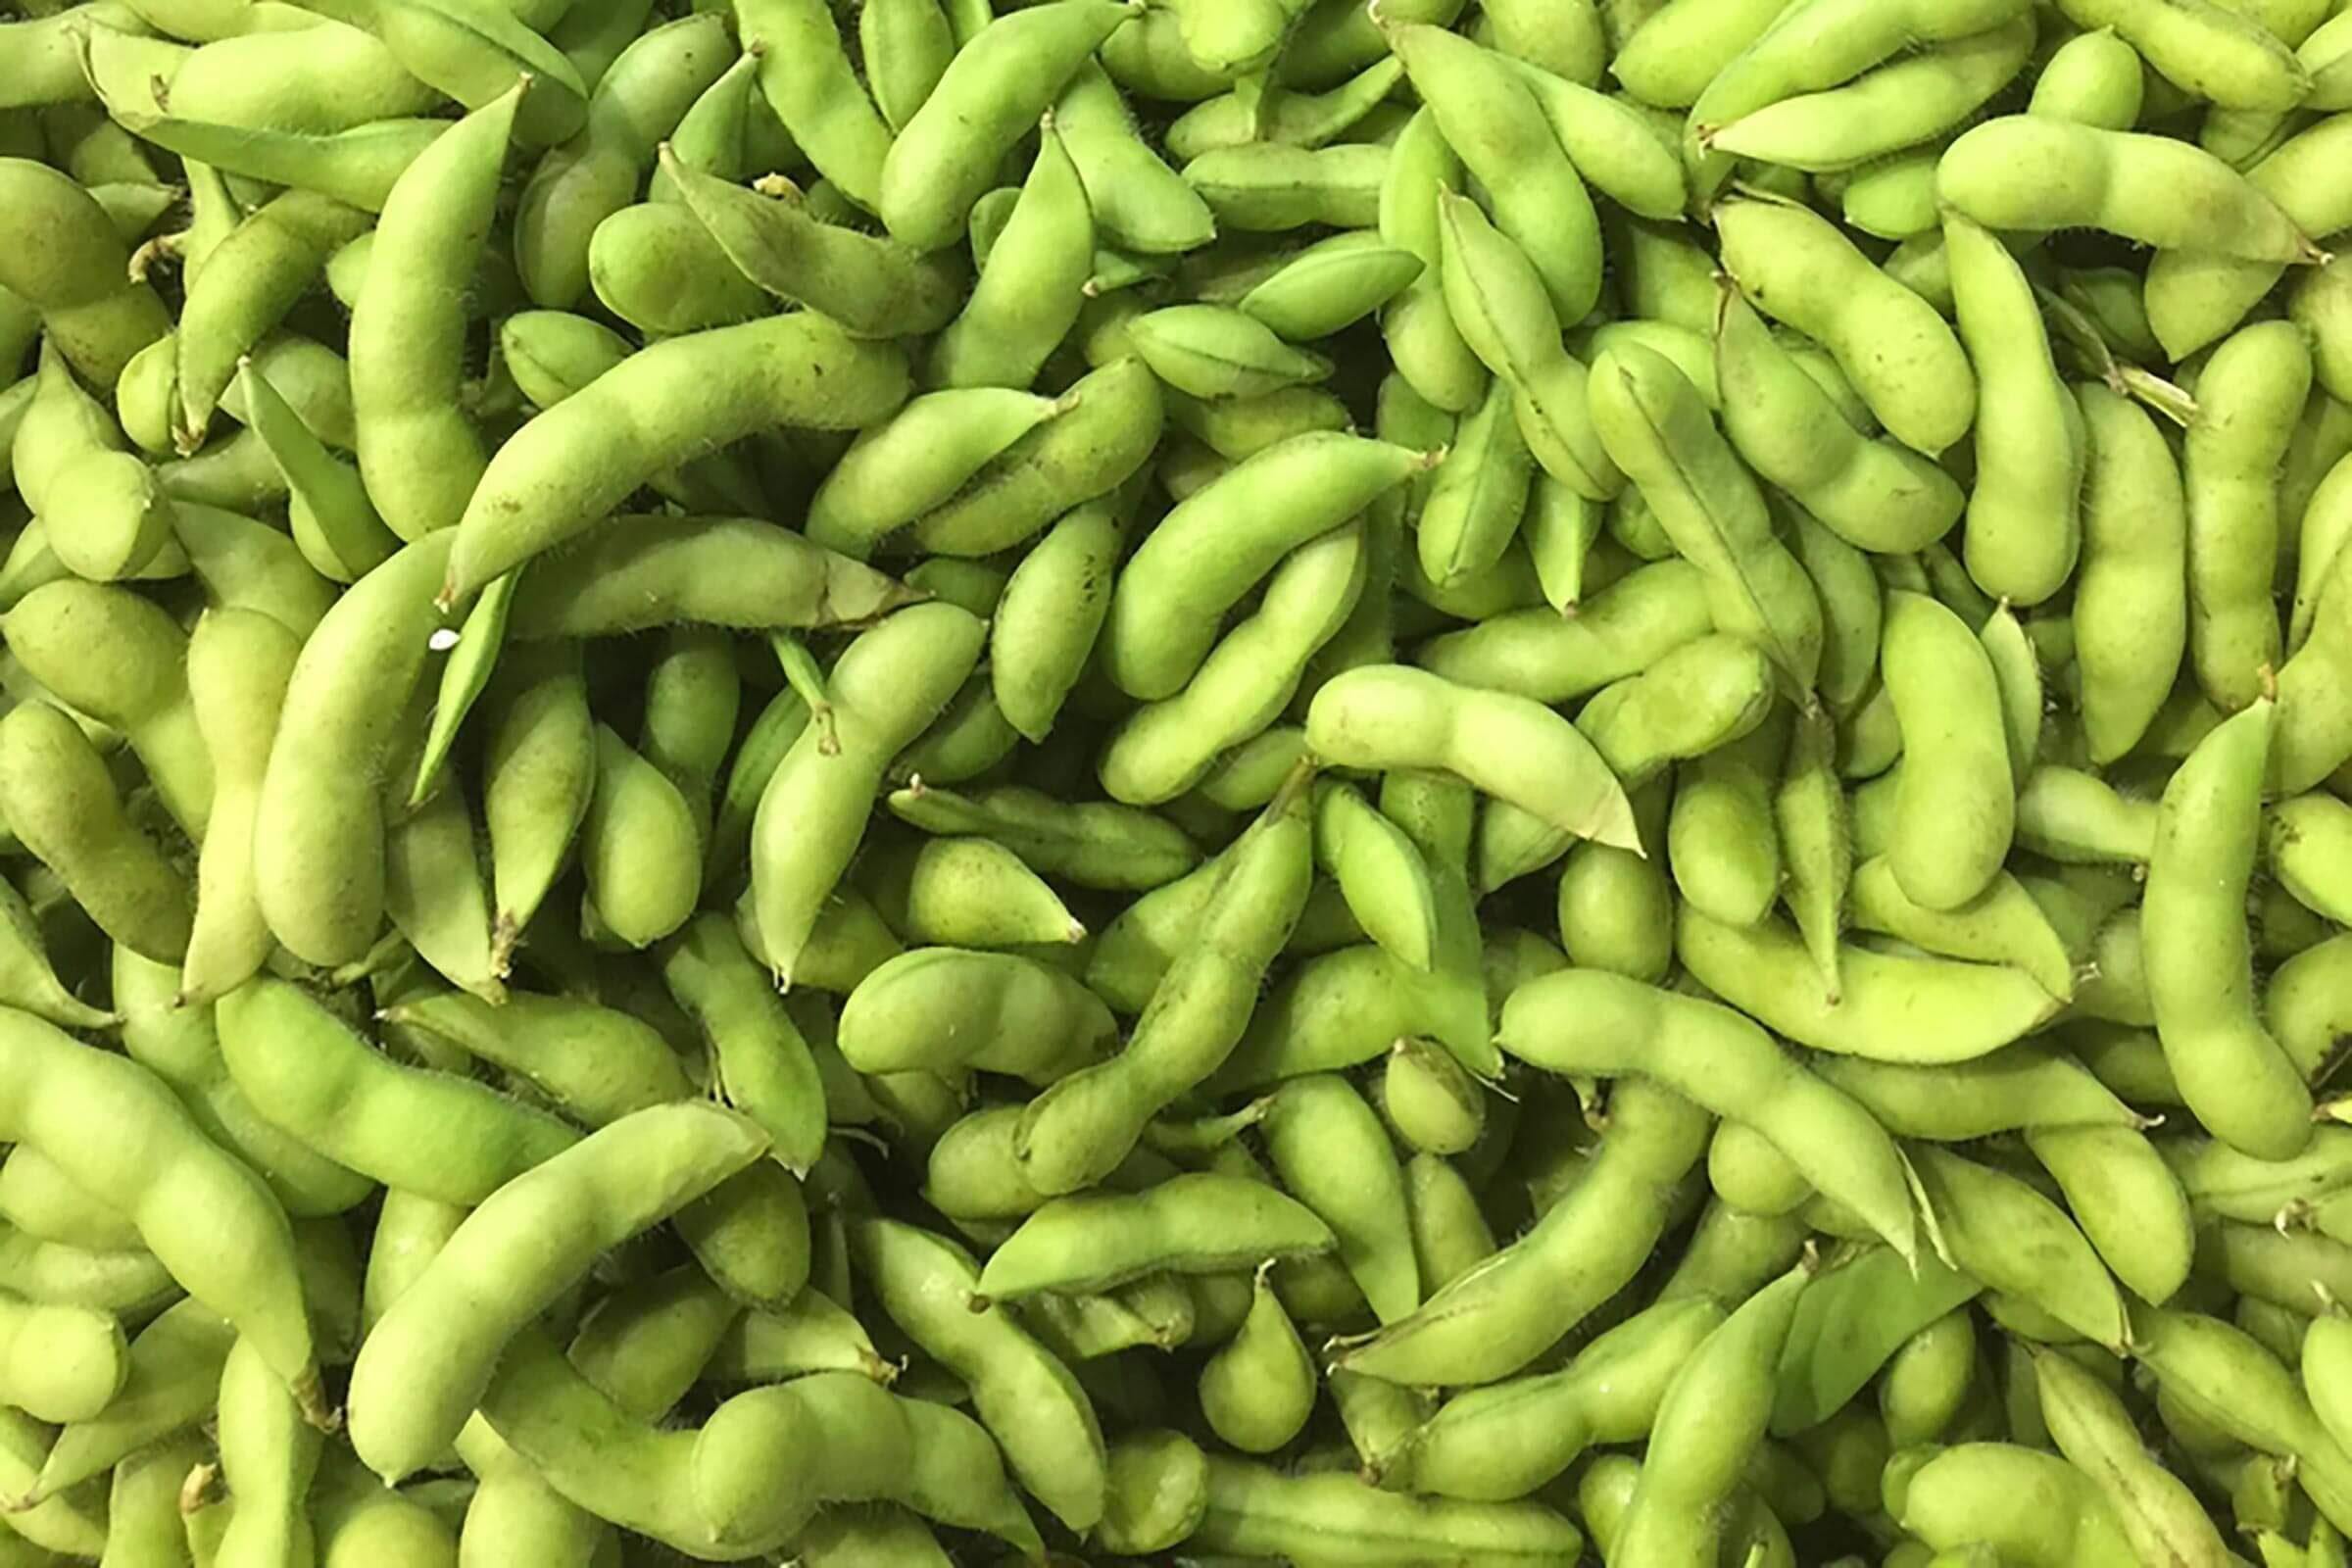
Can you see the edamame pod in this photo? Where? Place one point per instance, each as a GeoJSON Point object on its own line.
{"type": "Point", "coordinates": [1901, 356]}
{"type": "Point", "coordinates": [2230, 1067]}
{"type": "Point", "coordinates": [571, 465]}
{"type": "Point", "coordinates": [1389, 717]}
{"type": "Point", "coordinates": [417, 1377]}
{"type": "Point", "coordinates": [2141, 186]}
{"type": "Point", "coordinates": [1658, 431]}
{"type": "Point", "coordinates": [319, 873]}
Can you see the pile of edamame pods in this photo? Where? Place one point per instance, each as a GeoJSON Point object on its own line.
{"type": "Point", "coordinates": [1165, 782]}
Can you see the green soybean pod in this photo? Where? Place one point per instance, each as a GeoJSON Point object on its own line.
{"type": "Point", "coordinates": [2002, 1231]}
{"type": "Point", "coordinates": [435, 892]}
{"type": "Point", "coordinates": [887, 687]}
{"type": "Point", "coordinates": [238, 670]}
{"type": "Point", "coordinates": [2247, 396]}
{"type": "Point", "coordinates": [1491, 118]}
{"type": "Point", "coordinates": [1874, 495]}
{"type": "Point", "coordinates": [1766, 971]}
{"type": "Point", "coordinates": [2304, 842]}
{"type": "Point", "coordinates": [1694, 1047]}
{"type": "Point", "coordinates": [658, 269]}
{"type": "Point", "coordinates": [78, 279]}
{"type": "Point", "coordinates": [2324, 514]}
{"type": "Point", "coordinates": [1720, 843]}
{"type": "Point", "coordinates": [1621, 630]}
{"type": "Point", "coordinates": [28, 980]}
{"type": "Point", "coordinates": [61, 1528]}
{"type": "Point", "coordinates": [1099, 844]}
{"type": "Point", "coordinates": [1329, 285]}
{"type": "Point", "coordinates": [2232, 1070]}
{"type": "Point", "coordinates": [1956, 806]}
{"type": "Point", "coordinates": [1195, 1223]}
{"type": "Point", "coordinates": [2314, 727]}
{"type": "Point", "coordinates": [1428, 349]}
{"type": "Point", "coordinates": [991, 93]}
{"type": "Point", "coordinates": [761, 1062]}
{"type": "Point", "coordinates": [1086, 1123]}
{"type": "Point", "coordinates": [1378, 872]}
{"type": "Point", "coordinates": [58, 799]}
{"type": "Point", "coordinates": [320, 872]}
{"type": "Point", "coordinates": [1816, 840]}
{"type": "Point", "coordinates": [597, 1062]}
{"type": "Point", "coordinates": [538, 771]}
{"type": "Point", "coordinates": [638, 847]}
{"type": "Point", "coordinates": [907, 47]}
{"type": "Point", "coordinates": [1899, 354]}
{"type": "Point", "coordinates": [806, 77]}
{"type": "Point", "coordinates": [1108, 423]}
{"type": "Point", "coordinates": [1244, 682]}
{"type": "Point", "coordinates": [1044, 625]}
{"type": "Point", "coordinates": [1138, 201]}
{"type": "Point", "coordinates": [171, 1383]}
{"type": "Point", "coordinates": [1329, 1148]}
{"type": "Point", "coordinates": [1216, 351]}
{"type": "Point", "coordinates": [269, 1454]}
{"type": "Point", "coordinates": [176, 1041]}
{"type": "Point", "coordinates": [1478, 496]}
{"type": "Point", "coordinates": [272, 257]}
{"type": "Point", "coordinates": [2092, 1429]}
{"type": "Point", "coordinates": [2000, 925]}
{"type": "Point", "coordinates": [1259, 1388]}
{"type": "Point", "coordinates": [424, 1132]}
{"type": "Point", "coordinates": [434, 1352]}
{"type": "Point", "coordinates": [1211, 550]}
{"type": "Point", "coordinates": [246, 1268]}
{"type": "Point", "coordinates": [1024, 303]}
{"type": "Point", "coordinates": [2130, 612]}
{"type": "Point", "coordinates": [692, 697]}
{"type": "Point", "coordinates": [966, 893]}
{"type": "Point", "coordinates": [1485, 1324]}
{"type": "Point", "coordinates": [1012, 1015]}
{"type": "Point", "coordinates": [2023, 526]}
{"type": "Point", "coordinates": [331, 518]}
{"type": "Point", "coordinates": [114, 655]}
{"type": "Point", "coordinates": [1709, 1423]}
{"type": "Point", "coordinates": [2216, 52]}
{"type": "Point", "coordinates": [1501, 1442]}
{"type": "Point", "coordinates": [143, 1510]}
{"type": "Point", "coordinates": [1254, 1510]}
{"type": "Point", "coordinates": [1926, 1384]}
{"type": "Point", "coordinates": [2128, 183]}
{"type": "Point", "coordinates": [1304, 119]}
{"type": "Point", "coordinates": [1020, 1391]}
{"type": "Point", "coordinates": [650, 85]}
{"type": "Point", "coordinates": [1657, 429]}
{"type": "Point", "coordinates": [538, 491]}
{"type": "Point", "coordinates": [1910, 99]}
{"type": "Point", "coordinates": [1616, 907]}
{"type": "Point", "coordinates": [1431, 1101]}
{"type": "Point", "coordinates": [2128, 1202]}
{"type": "Point", "coordinates": [1392, 718]}
{"type": "Point", "coordinates": [714, 134]}
{"type": "Point", "coordinates": [870, 286]}
{"type": "Point", "coordinates": [1498, 300]}
{"type": "Point", "coordinates": [2022, 1503]}
{"type": "Point", "coordinates": [418, 453]}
